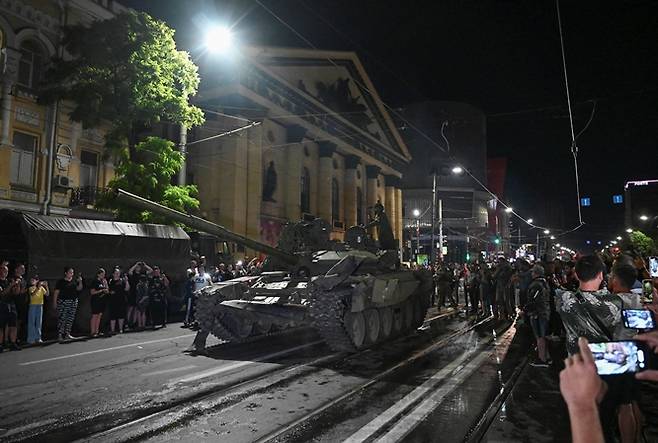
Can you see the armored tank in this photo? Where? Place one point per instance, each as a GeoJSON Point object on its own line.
{"type": "Point", "coordinates": [354, 293]}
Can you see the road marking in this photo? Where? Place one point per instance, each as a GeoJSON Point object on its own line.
{"type": "Point", "coordinates": [166, 371]}
{"type": "Point", "coordinates": [411, 420]}
{"type": "Point", "coordinates": [233, 366]}
{"type": "Point", "coordinates": [114, 348]}
{"type": "Point", "coordinates": [394, 411]}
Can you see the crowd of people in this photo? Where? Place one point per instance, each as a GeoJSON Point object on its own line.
{"type": "Point", "coordinates": [576, 301]}
{"type": "Point", "coordinates": [128, 298]}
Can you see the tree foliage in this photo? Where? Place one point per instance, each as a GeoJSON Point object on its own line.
{"type": "Point", "coordinates": [148, 174]}
{"type": "Point", "coordinates": [126, 73]}
{"type": "Point", "coordinates": [642, 244]}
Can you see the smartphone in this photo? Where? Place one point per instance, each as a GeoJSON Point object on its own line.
{"type": "Point", "coordinates": [619, 357]}
{"type": "Point", "coordinates": [653, 267]}
{"type": "Point", "coordinates": [638, 319]}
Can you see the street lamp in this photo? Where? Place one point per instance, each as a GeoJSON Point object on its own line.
{"type": "Point", "coordinates": [457, 170]}
{"type": "Point", "coordinates": [644, 217]}
{"type": "Point", "coordinates": [509, 209]}
{"type": "Point", "coordinates": [529, 221]}
{"type": "Point", "coordinates": [629, 230]}
{"type": "Point", "coordinates": [547, 231]}
{"type": "Point", "coordinates": [618, 237]}
{"type": "Point", "coordinates": [416, 213]}
{"type": "Point", "coordinates": [218, 39]}
{"type": "Point", "coordinates": [552, 237]}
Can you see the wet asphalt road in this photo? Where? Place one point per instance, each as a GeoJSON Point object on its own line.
{"type": "Point", "coordinates": [436, 385]}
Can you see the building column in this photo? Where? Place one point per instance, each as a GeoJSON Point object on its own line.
{"type": "Point", "coordinates": [372, 174]}
{"type": "Point", "coordinates": [399, 221]}
{"type": "Point", "coordinates": [294, 160]}
{"type": "Point", "coordinates": [351, 163]}
{"type": "Point", "coordinates": [389, 201]}
{"type": "Point", "coordinates": [326, 170]}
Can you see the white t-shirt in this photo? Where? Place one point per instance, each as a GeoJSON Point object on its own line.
{"type": "Point", "coordinates": [201, 281]}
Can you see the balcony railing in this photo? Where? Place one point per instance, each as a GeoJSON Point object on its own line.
{"type": "Point", "coordinates": [86, 196]}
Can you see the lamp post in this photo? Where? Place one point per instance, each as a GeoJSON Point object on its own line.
{"type": "Point", "coordinates": [456, 170]}
{"type": "Point", "coordinates": [416, 213]}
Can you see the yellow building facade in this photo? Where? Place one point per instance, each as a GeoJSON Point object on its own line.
{"type": "Point", "coordinates": [325, 145]}
{"type": "Point", "coordinates": [48, 163]}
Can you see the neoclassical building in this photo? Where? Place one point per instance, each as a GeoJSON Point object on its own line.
{"type": "Point", "coordinates": [32, 136]}
{"type": "Point", "coordinates": [325, 145]}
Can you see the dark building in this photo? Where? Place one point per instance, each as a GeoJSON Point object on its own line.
{"type": "Point", "coordinates": [440, 136]}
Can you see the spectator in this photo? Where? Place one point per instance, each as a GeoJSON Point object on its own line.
{"type": "Point", "coordinates": [142, 300]}
{"type": "Point", "coordinates": [37, 291]}
{"type": "Point", "coordinates": [20, 299]}
{"type": "Point", "coordinates": [445, 285]}
{"type": "Point", "coordinates": [119, 287]}
{"type": "Point", "coordinates": [99, 294]}
{"type": "Point", "coordinates": [189, 299]}
{"type": "Point", "coordinates": [65, 297]}
{"type": "Point", "coordinates": [594, 314]}
{"type": "Point", "coordinates": [485, 289]}
{"type": "Point", "coordinates": [157, 291]}
{"type": "Point", "coordinates": [200, 280]}
{"type": "Point", "coordinates": [502, 277]}
{"type": "Point", "coordinates": [7, 309]}
{"type": "Point", "coordinates": [138, 272]}
{"type": "Point", "coordinates": [538, 310]}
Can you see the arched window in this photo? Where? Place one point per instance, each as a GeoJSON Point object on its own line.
{"type": "Point", "coordinates": [30, 67]}
{"type": "Point", "coordinates": [359, 206]}
{"type": "Point", "coordinates": [335, 201]}
{"type": "Point", "coordinates": [305, 191]}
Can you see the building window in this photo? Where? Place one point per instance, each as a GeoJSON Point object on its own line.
{"type": "Point", "coordinates": [359, 206]}
{"type": "Point", "coordinates": [30, 67]}
{"type": "Point", "coordinates": [335, 201]}
{"type": "Point", "coordinates": [88, 169]}
{"type": "Point", "coordinates": [305, 188]}
{"type": "Point", "coordinates": [22, 159]}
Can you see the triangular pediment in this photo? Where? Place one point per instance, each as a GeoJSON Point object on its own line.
{"type": "Point", "coordinates": [338, 81]}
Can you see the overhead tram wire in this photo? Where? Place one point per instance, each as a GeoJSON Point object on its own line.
{"type": "Point", "coordinates": [407, 122]}
{"type": "Point", "coordinates": [574, 146]}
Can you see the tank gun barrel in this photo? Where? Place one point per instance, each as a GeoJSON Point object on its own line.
{"type": "Point", "coordinates": [202, 225]}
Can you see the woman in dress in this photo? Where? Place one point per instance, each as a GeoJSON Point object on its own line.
{"type": "Point", "coordinates": [119, 289]}
{"type": "Point", "coordinates": [99, 294]}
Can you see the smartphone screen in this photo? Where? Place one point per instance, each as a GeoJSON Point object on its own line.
{"type": "Point", "coordinates": [638, 319]}
{"type": "Point", "coordinates": [653, 267]}
{"type": "Point", "coordinates": [617, 357]}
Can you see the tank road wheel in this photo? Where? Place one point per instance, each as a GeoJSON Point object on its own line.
{"type": "Point", "coordinates": [373, 325]}
{"type": "Point", "coordinates": [398, 318]}
{"type": "Point", "coordinates": [408, 315]}
{"type": "Point", "coordinates": [355, 323]}
{"type": "Point", "coordinates": [386, 322]}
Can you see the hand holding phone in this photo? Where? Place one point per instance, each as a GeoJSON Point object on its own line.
{"type": "Point", "coordinates": [638, 319]}
{"type": "Point", "coordinates": [620, 357]}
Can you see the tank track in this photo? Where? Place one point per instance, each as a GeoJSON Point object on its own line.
{"type": "Point", "coordinates": [327, 309]}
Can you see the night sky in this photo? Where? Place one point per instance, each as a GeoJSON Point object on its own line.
{"type": "Point", "coordinates": [503, 57]}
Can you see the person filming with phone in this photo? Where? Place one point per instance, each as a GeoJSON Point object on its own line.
{"type": "Point", "coordinates": [596, 314]}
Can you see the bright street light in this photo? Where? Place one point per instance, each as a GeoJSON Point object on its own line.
{"type": "Point", "coordinates": [457, 170]}
{"type": "Point", "coordinates": [558, 245]}
{"type": "Point", "coordinates": [547, 231]}
{"type": "Point", "coordinates": [552, 237]}
{"type": "Point", "coordinates": [618, 237]}
{"type": "Point", "coordinates": [629, 230]}
{"type": "Point", "coordinates": [614, 242]}
{"type": "Point", "coordinates": [416, 212]}
{"type": "Point", "coordinates": [644, 217]}
{"type": "Point", "coordinates": [529, 221]}
{"type": "Point", "coordinates": [219, 39]}
{"type": "Point", "coordinates": [509, 209]}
